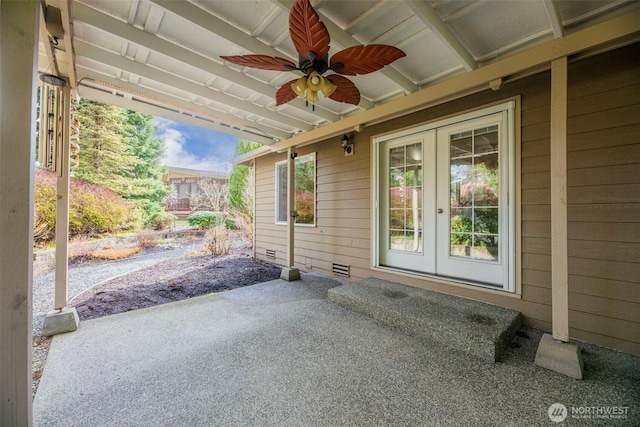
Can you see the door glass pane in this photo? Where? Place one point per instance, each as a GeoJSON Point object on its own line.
{"type": "Point", "coordinates": [405, 198]}
{"type": "Point", "coordinates": [474, 178]}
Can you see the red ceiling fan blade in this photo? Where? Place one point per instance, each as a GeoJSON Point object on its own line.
{"type": "Point", "coordinates": [307, 32]}
{"type": "Point", "coordinates": [345, 91]}
{"type": "Point", "coordinates": [364, 59]}
{"type": "Point", "coordinates": [262, 62]}
{"type": "Point", "coordinates": [285, 93]}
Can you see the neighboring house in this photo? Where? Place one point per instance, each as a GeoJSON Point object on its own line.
{"type": "Point", "coordinates": [185, 183]}
{"type": "Point", "coordinates": [457, 198]}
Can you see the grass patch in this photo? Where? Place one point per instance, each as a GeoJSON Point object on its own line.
{"type": "Point", "coordinates": [113, 254]}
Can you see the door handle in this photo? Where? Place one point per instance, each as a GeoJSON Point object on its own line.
{"type": "Point", "coordinates": [440, 210]}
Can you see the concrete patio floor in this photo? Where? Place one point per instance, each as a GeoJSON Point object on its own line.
{"type": "Point", "coordinates": [280, 354]}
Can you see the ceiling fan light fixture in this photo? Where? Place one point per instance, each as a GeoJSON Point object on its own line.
{"type": "Point", "coordinates": [328, 88]}
{"type": "Point", "coordinates": [314, 81]}
{"type": "Point", "coordinates": [308, 87]}
{"type": "Point", "coordinates": [300, 87]}
{"type": "Point", "coordinates": [311, 40]}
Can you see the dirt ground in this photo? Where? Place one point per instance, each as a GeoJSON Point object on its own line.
{"type": "Point", "coordinates": [175, 279]}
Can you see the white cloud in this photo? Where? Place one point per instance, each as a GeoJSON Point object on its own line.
{"type": "Point", "coordinates": [177, 155]}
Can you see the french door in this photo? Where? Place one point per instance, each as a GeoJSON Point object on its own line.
{"type": "Point", "coordinates": [443, 201]}
{"type": "Point", "coordinates": [405, 196]}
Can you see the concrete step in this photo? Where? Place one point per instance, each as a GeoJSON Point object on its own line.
{"type": "Point", "coordinates": [476, 328]}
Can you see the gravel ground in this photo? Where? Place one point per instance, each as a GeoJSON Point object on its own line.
{"type": "Point", "coordinates": [87, 275]}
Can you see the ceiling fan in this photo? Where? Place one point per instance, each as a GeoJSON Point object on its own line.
{"type": "Point", "coordinates": [311, 39]}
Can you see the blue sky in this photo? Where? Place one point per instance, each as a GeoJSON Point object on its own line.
{"type": "Point", "coordinates": [196, 148]}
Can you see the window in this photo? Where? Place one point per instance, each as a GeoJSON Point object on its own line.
{"type": "Point", "coordinates": [443, 207]}
{"type": "Point", "coordinates": [305, 179]}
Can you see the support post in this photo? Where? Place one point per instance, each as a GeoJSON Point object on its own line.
{"type": "Point", "coordinates": [557, 352]}
{"type": "Point", "coordinates": [18, 60]}
{"type": "Point", "coordinates": [559, 236]}
{"type": "Point", "coordinates": [62, 202]}
{"type": "Point", "coordinates": [62, 319]}
{"type": "Point", "coordinates": [289, 272]}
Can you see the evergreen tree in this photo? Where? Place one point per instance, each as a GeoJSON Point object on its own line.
{"type": "Point", "coordinates": [105, 156]}
{"type": "Point", "coordinates": [238, 179]}
{"type": "Point", "coordinates": [147, 188]}
{"type": "Point", "coordinates": [120, 149]}
{"type": "Point", "coordinates": [145, 145]}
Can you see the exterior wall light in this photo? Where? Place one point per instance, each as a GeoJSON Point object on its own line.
{"type": "Point", "coordinates": [347, 144]}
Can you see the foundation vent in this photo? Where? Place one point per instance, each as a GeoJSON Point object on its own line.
{"type": "Point", "coordinates": [271, 253]}
{"type": "Point", "coordinates": [341, 269]}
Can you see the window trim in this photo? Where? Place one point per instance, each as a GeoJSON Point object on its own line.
{"type": "Point", "coordinates": [512, 106]}
{"type": "Point", "coordinates": [312, 157]}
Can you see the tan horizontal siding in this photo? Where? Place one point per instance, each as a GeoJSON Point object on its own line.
{"type": "Point", "coordinates": [625, 135]}
{"type": "Point", "coordinates": [335, 240]}
{"type": "Point", "coordinates": [617, 174]}
{"type": "Point", "coordinates": [609, 251]}
{"type": "Point", "coordinates": [535, 180]}
{"type": "Point", "coordinates": [605, 341]}
{"type": "Point", "coordinates": [605, 269]}
{"type": "Point", "coordinates": [349, 213]}
{"type": "Point", "coordinates": [606, 288]}
{"type": "Point", "coordinates": [537, 213]}
{"type": "Point", "coordinates": [603, 201]}
{"type": "Point", "coordinates": [604, 212]}
{"type": "Point", "coordinates": [604, 194]}
{"type": "Point", "coordinates": [603, 157]}
{"type": "Point", "coordinates": [609, 232]}
{"type": "Point", "coordinates": [535, 148]}
{"type": "Point", "coordinates": [535, 164]}
{"type": "Point", "coordinates": [536, 196]}
{"type": "Point", "coordinates": [540, 262]}
{"type": "Point", "coordinates": [612, 99]}
{"type": "Point", "coordinates": [536, 132]}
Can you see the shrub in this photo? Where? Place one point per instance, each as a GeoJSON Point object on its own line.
{"type": "Point", "coordinates": [230, 224]}
{"type": "Point", "coordinates": [161, 220]}
{"type": "Point", "coordinates": [147, 238]}
{"type": "Point", "coordinates": [219, 240]}
{"type": "Point", "coordinates": [114, 253]}
{"type": "Point", "coordinates": [136, 218]}
{"type": "Point", "coordinates": [205, 219]}
{"type": "Point", "coordinates": [44, 218]}
{"type": "Point", "coordinates": [243, 223]}
{"type": "Point", "coordinates": [80, 249]}
{"type": "Point", "coordinates": [92, 208]}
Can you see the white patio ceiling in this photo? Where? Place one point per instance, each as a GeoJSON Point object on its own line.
{"type": "Point", "coordinates": [163, 57]}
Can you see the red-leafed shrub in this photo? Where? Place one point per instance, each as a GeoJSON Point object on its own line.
{"type": "Point", "coordinates": [93, 209]}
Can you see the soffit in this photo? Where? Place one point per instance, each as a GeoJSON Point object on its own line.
{"type": "Point", "coordinates": [163, 57]}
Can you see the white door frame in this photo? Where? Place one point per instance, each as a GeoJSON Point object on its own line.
{"type": "Point", "coordinates": [509, 187]}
